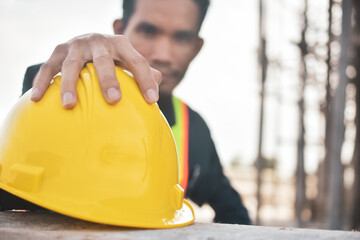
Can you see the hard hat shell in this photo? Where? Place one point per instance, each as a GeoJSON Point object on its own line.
{"type": "Point", "coordinates": [112, 164]}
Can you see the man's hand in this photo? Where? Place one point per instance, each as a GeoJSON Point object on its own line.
{"type": "Point", "coordinates": [105, 51]}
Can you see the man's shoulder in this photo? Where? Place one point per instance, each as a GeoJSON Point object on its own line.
{"type": "Point", "coordinates": [197, 125]}
{"type": "Point", "coordinates": [195, 117]}
{"type": "Point", "coordinates": [29, 77]}
{"type": "Point", "coordinates": [32, 70]}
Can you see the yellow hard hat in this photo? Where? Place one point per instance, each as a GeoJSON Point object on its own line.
{"type": "Point", "coordinates": [112, 164]}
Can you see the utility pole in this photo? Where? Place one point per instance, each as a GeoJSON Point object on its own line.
{"type": "Point", "coordinates": [300, 197]}
{"type": "Point", "coordinates": [356, 158]}
{"type": "Point", "coordinates": [263, 62]}
{"type": "Point", "coordinates": [323, 184]}
{"type": "Point", "coordinates": [334, 206]}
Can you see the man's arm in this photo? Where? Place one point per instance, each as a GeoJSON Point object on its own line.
{"type": "Point", "coordinates": [207, 182]}
{"type": "Point", "coordinates": [223, 198]}
{"type": "Point", "coordinates": [9, 201]}
{"type": "Point", "coordinates": [105, 51]}
{"type": "Point", "coordinates": [215, 189]}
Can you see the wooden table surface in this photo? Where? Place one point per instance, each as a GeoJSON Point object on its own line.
{"type": "Point", "coordinates": [29, 226]}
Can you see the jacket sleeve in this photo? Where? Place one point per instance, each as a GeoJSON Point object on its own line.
{"type": "Point", "coordinates": [207, 182]}
{"type": "Point", "coordinates": [223, 198]}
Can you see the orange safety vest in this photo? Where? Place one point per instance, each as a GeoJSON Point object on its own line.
{"type": "Point", "coordinates": [180, 131]}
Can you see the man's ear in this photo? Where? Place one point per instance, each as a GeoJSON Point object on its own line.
{"type": "Point", "coordinates": [198, 46]}
{"type": "Point", "coordinates": [118, 26]}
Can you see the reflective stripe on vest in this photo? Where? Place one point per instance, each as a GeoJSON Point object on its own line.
{"type": "Point", "coordinates": [181, 134]}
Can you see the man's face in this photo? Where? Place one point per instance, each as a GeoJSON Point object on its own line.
{"type": "Point", "coordinates": [165, 32]}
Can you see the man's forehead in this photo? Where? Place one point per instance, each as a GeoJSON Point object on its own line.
{"type": "Point", "coordinates": [177, 13]}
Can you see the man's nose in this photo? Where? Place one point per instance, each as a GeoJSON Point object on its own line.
{"type": "Point", "coordinates": [163, 51]}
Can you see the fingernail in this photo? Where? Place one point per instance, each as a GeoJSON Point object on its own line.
{"type": "Point", "coordinates": [151, 95]}
{"type": "Point", "coordinates": [35, 93]}
{"type": "Point", "coordinates": [67, 99]}
{"type": "Point", "coordinates": [113, 94]}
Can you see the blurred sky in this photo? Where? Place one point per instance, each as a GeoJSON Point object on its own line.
{"type": "Point", "coordinates": [221, 84]}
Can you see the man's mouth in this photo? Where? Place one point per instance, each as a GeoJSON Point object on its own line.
{"type": "Point", "coordinates": [165, 71]}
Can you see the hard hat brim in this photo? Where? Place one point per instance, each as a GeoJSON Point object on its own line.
{"type": "Point", "coordinates": [182, 217]}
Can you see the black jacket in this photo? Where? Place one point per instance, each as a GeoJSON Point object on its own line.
{"type": "Point", "coordinates": [206, 184]}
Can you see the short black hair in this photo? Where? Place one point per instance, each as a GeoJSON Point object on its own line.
{"type": "Point", "coordinates": [129, 8]}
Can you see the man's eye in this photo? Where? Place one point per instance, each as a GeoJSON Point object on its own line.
{"type": "Point", "coordinates": [148, 30]}
{"type": "Point", "coordinates": [183, 37]}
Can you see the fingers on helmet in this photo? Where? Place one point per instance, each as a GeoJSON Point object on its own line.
{"type": "Point", "coordinates": [47, 71]}
{"type": "Point", "coordinates": [105, 70]}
